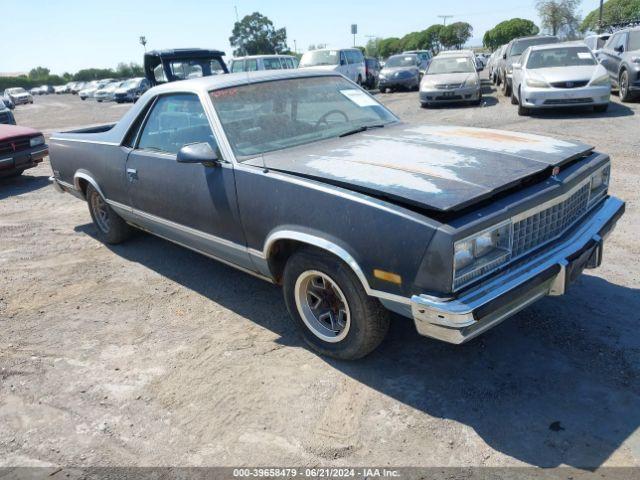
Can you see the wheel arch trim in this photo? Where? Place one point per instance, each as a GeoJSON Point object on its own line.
{"type": "Point", "coordinates": [86, 176]}
{"type": "Point", "coordinates": [331, 247]}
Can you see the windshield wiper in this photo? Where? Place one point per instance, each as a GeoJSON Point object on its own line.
{"type": "Point", "coordinates": [361, 128]}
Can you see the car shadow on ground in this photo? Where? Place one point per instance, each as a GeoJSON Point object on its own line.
{"type": "Point", "coordinates": [555, 385]}
{"type": "Point", "coordinates": [615, 110]}
{"type": "Point", "coordinates": [10, 186]}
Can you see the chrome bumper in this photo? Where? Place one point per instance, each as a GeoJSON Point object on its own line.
{"type": "Point", "coordinates": [495, 300]}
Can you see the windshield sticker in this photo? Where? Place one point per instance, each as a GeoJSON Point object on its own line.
{"type": "Point", "coordinates": [584, 55]}
{"type": "Point", "coordinates": [461, 60]}
{"type": "Point", "coordinates": [333, 52]}
{"type": "Point", "coordinates": [359, 98]}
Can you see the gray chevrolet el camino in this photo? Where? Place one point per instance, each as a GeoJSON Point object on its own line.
{"type": "Point", "coordinates": [303, 179]}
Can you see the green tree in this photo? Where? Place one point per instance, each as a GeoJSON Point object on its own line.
{"type": "Point", "coordinates": [613, 11]}
{"type": "Point", "coordinates": [255, 34]}
{"type": "Point", "coordinates": [372, 47]}
{"type": "Point", "coordinates": [506, 31]}
{"type": "Point", "coordinates": [559, 17]}
{"type": "Point", "coordinates": [456, 34]}
{"type": "Point", "coordinates": [39, 74]}
{"type": "Point", "coordinates": [432, 38]}
{"type": "Point", "coordinates": [389, 46]}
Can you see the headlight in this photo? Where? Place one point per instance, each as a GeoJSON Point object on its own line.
{"type": "Point", "coordinates": [476, 255]}
{"type": "Point", "coordinates": [35, 141]}
{"type": "Point", "coordinates": [602, 80]}
{"type": "Point", "coordinates": [635, 59]}
{"type": "Point", "coordinates": [537, 83]}
{"type": "Point", "coordinates": [509, 69]}
{"type": "Point", "coordinates": [471, 82]}
{"type": "Point", "coordinates": [599, 184]}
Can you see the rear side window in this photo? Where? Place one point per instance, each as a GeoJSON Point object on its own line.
{"type": "Point", "coordinates": [354, 56]}
{"type": "Point", "coordinates": [175, 121]}
{"type": "Point", "coordinates": [130, 139]}
{"type": "Point", "coordinates": [238, 66]}
{"type": "Point", "coordinates": [634, 40]}
{"type": "Point", "coordinates": [252, 65]}
{"type": "Point", "coordinates": [271, 63]}
{"type": "Point", "coordinates": [288, 62]}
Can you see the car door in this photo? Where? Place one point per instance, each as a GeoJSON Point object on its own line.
{"type": "Point", "coordinates": [192, 204]}
{"type": "Point", "coordinates": [608, 56]}
{"type": "Point", "coordinates": [619, 52]}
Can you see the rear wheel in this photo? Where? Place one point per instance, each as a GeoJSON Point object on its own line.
{"type": "Point", "coordinates": [504, 87]}
{"type": "Point", "coordinates": [424, 104]}
{"type": "Point", "coordinates": [330, 307]}
{"type": "Point", "coordinates": [111, 227]}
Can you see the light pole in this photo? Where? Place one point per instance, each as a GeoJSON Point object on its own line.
{"type": "Point", "coordinates": [600, 18]}
{"type": "Point", "coordinates": [295, 46]}
{"type": "Point", "coordinates": [143, 42]}
{"type": "Point", "coordinates": [444, 19]}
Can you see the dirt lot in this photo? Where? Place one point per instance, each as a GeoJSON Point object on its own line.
{"type": "Point", "coordinates": [149, 354]}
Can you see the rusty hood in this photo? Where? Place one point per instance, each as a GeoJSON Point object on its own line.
{"type": "Point", "coordinates": [442, 168]}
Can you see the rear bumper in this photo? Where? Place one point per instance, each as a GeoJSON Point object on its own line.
{"type": "Point", "coordinates": [22, 160]}
{"type": "Point", "coordinates": [550, 273]}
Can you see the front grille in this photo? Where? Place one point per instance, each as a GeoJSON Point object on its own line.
{"type": "Point", "coordinates": [14, 145]}
{"type": "Point", "coordinates": [545, 225]}
{"type": "Point", "coordinates": [449, 97]}
{"type": "Point", "coordinates": [577, 84]}
{"type": "Point", "coordinates": [568, 101]}
{"type": "Point", "coordinates": [448, 86]}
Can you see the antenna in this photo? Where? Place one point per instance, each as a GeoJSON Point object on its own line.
{"type": "Point", "coordinates": [444, 18]}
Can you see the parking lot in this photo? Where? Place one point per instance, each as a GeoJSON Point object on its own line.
{"type": "Point", "coordinates": [146, 353]}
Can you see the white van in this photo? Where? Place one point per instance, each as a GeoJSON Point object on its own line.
{"type": "Point", "coordinates": [348, 61]}
{"type": "Point", "coordinates": [252, 63]}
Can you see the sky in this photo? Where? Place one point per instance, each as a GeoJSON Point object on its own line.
{"type": "Point", "coordinates": [68, 35]}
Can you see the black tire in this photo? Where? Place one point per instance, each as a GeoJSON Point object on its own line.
{"type": "Point", "coordinates": [504, 87]}
{"type": "Point", "coordinates": [514, 99]}
{"type": "Point", "coordinates": [359, 82]}
{"type": "Point", "coordinates": [368, 319]}
{"type": "Point", "coordinates": [17, 173]}
{"type": "Point", "coordinates": [116, 230]}
{"type": "Point", "coordinates": [601, 108]}
{"type": "Point", "coordinates": [424, 104]}
{"type": "Point", "coordinates": [623, 87]}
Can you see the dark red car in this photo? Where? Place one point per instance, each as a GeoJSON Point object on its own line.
{"type": "Point", "coordinates": [20, 148]}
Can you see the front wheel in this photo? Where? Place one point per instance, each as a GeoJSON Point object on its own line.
{"type": "Point", "coordinates": [330, 307]}
{"type": "Point", "coordinates": [111, 228]}
{"type": "Point", "coordinates": [504, 87]}
{"type": "Point", "coordinates": [624, 91]}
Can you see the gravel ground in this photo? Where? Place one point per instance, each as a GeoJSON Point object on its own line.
{"type": "Point", "coordinates": [149, 354]}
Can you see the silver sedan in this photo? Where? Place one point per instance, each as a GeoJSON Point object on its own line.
{"type": "Point", "coordinates": [559, 75]}
{"type": "Point", "coordinates": [451, 78]}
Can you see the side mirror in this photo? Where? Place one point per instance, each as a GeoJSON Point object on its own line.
{"type": "Point", "coordinates": [517, 66]}
{"type": "Point", "coordinates": [343, 61]}
{"type": "Point", "coordinates": [197, 153]}
{"type": "Point", "coordinates": [504, 56]}
{"type": "Point", "coordinates": [619, 48]}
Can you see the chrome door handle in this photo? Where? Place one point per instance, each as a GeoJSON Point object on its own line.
{"type": "Point", "coordinates": [132, 174]}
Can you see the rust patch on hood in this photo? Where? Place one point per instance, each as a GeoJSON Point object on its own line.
{"type": "Point", "coordinates": [489, 135]}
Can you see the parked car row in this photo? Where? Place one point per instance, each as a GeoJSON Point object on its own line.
{"type": "Point", "coordinates": [540, 72]}
{"type": "Point", "coordinates": [110, 90]}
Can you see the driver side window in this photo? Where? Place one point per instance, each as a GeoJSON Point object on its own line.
{"type": "Point", "coordinates": [175, 121]}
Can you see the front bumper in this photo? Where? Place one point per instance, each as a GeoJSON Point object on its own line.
{"type": "Point", "coordinates": [22, 160]}
{"type": "Point", "coordinates": [462, 94]}
{"type": "Point", "coordinates": [20, 100]}
{"type": "Point", "coordinates": [391, 82]}
{"type": "Point", "coordinates": [497, 299]}
{"type": "Point", "coordinates": [564, 97]}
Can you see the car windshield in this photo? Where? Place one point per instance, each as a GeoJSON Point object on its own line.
{"type": "Point", "coordinates": [16, 90]}
{"type": "Point", "coordinates": [279, 114]}
{"type": "Point", "coordinates": [320, 57]}
{"type": "Point", "coordinates": [130, 83]}
{"type": "Point", "coordinates": [560, 57]}
{"type": "Point", "coordinates": [402, 61]}
{"type": "Point", "coordinates": [451, 65]}
{"type": "Point", "coordinates": [520, 46]}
